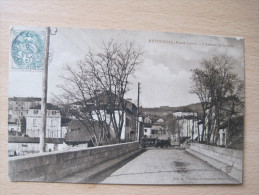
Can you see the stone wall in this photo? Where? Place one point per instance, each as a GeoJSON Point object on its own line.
{"type": "Point", "coordinates": [52, 166]}
{"type": "Point", "coordinates": [18, 146]}
{"type": "Point", "coordinates": [224, 159]}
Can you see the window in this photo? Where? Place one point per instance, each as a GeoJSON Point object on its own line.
{"type": "Point", "coordinates": [145, 130]}
{"type": "Point", "coordinates": [52, 123]}
{"type": "Point", "coordinates": [34, 122]}
{"type": "Point", "coordinates": [35, 111]}
{"type": "Point", "coordinates": [53, 112]}
{"type": "Point", "coordinates": [52, 134]}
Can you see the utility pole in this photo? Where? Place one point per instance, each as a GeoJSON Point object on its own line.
{"type": "Point", "coordinates": [138, 123]}
{"type": "Point", "coordinates": [44, 94]}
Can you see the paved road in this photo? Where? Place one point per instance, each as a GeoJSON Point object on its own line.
{"type": "Point", "coordinates": [167, 166]}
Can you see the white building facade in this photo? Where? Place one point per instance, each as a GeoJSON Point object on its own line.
{"type": "Point", "coordinates": [53, 123]}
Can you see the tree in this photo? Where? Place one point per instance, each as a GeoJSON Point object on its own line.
{"type": "Point", "coordinates": [220, 92]}
{"type": "Point", "coordinates": [94, 89]}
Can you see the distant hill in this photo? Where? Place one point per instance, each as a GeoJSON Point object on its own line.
{"type": "Point", "coordinates": [165, 110]}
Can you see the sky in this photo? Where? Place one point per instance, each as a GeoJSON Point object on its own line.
{"type": "Point", "coordinates": [164, 75]}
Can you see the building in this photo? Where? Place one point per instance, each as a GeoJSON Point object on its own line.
{"type": "Point", "coordinates": [189, 127]}
{"type": "Point", "coordinates": [53, 123]}
{"type": "Point", "coordinates": [185, 114]}
{"type": "Point", "coordinates": [160, 121]}
{"type": "Point", "coordinates": [18, 107]}
{"type": "Point", "coordinates": [147, 130]}
{"type": "Point", "coordinates": [77, 134]}
{"type": "Point", "coordinates": [13, 129]}
{"type": "Point", "coordinates": [157, 130]}
{"type": "Point", "coordinates": [147, 120]}
{"type": "Point", "coordinates": [129, 131]}
{"type": "Point", "coordinates": [231, 133]}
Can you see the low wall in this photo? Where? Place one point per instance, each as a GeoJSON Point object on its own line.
{"type": "Point", "coordinates": [19, 139]}
{"type": "Point", "coordinates": [224, 159]}
{"type": "Point", "coordinates": [52, 166]}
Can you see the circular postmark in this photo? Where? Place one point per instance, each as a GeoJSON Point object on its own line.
{"type": "Point", "coordinates": [28, 50]}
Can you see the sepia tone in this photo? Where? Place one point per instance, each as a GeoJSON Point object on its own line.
{"type": "Point", "coordinates": [122, 104]}
{"type": "Point", "coordinates": [249, 143]}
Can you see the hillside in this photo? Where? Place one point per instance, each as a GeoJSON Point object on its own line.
{"type": "Point", "coordinates": [165, 110]}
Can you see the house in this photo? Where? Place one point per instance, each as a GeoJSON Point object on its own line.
{"type": "Point", "coordinates": [82, 133]}
{"type": "Point", "coordinates": [13, 128]}
{"type": "Point", "coordinates": [102, 102]}
{"type": "Point", "coordinates": [185, 114]}
{"type": "Point", "coordinates": [147, 130]}
{"type": "Point", "coordinates": [147, 120]}
{"type": "Point", "coordinates": [160, 121]}
{"type": "Point", "coordinates": [53, 123]}
{"type": "Point", "coordinates": [157, 130]}
{"type": "Point", "coordinates": [231, 133]}
{"type": "Point", "coordinates": [130, 124]}
{"type": "Point", "coordinates": [77, 134]}
{"type": "Point", "coordinates": [153, 131]}
{"type": "Point", "coordinates": [18, 107]}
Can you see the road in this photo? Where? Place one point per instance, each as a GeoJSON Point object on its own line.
{"type": "Point", "coordinates": [166, 166]}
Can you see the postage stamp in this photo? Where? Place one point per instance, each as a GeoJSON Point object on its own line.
{"type": "Point", "coordinates": [27, 50]}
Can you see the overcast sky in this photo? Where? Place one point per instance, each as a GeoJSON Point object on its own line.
{"type": "Point", "coordinates": [165, 72]}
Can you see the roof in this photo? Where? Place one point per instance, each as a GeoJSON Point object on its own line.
{"type": "Point", "coordinates": [157, 128]}
{"type": "Point", "coordinates": [77, 136]}
{"type": "Point", "coordinates": [49, 107]}
{"type": "Point", "coordinates": [160, 120]}
{"type": "Point", "coordinates": [104, 101]}
{"type": "Point", "coordinates": [79, 132]}
{"type": "Point", "coordinates": [12, 123]}
{"type": "Point", "coordinates": [24, 99]}
{"type": "Point", "coordinates": [103, 98]}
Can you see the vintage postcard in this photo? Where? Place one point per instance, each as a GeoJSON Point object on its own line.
{"type": "Point", "coordinates": [125, 107]}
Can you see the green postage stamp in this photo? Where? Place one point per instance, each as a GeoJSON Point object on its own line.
{"type": "Point", "coordinates": [27, 49]}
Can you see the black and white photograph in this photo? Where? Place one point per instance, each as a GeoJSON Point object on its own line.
{"type": "Point", "coordinates": [125, 107]}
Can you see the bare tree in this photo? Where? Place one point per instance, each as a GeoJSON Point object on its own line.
{"type": "Point", "coordinates": [220, 92]}
{"type": "Point", "coordinates": [94, 89]}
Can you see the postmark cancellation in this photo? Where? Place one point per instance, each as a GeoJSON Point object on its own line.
{"type": "Point", "coordinates": [27, 49]}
